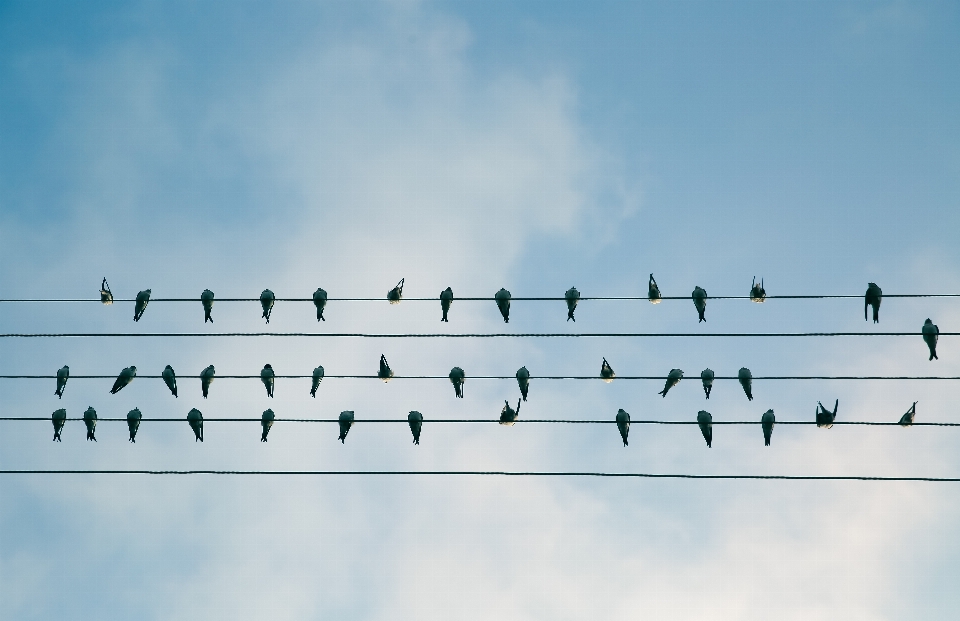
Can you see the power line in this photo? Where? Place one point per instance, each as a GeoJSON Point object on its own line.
{"type": "Point", "coordinates": [460, 336]}
{"type": "Point", "coordinates": [513, 377]}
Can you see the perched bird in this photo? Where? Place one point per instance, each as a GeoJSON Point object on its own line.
{"type": "Point", "coordinates": [133, 423]}
{"type": "Point", "coordinates": [266, 421]}
{"type": "Point", "coordinates": [873, 297]}
{"type": "Point", "coordinates": [767, 421]}
{"type": "Point", "coordinates": [825, 417]}
{"type": "Point", "coordinates": [170, 379]}
{"type": "Point", "coordinates": [143, 298]}
{"type": "Point", "coordinates": [508, 416]}
{"type": "Point", "coordinates": [195, 418]}
{"type": "Point", "coordinates": [396, 294]}
{"type": "Point", "coordinates": [457, 378]}
{"type": "Point", "coordinates": [606, 372]}
{"type": "Point", "coordinates": [523, 380]}
{"type": "Point", "coordinates": [106, 296]}
{"type": "Point", "coordinates": [706, 376]}
{"type": "Point", "coordinates": [502, 298]}
{"type": "Point", "coordinates": [572, 296]}
{"type": "Point", "coordinates": [62, 376]}
{"type": "Point", "coordinates": [705, 420]}
{"type": "Point", "coordinates": [673, 378]}
{"type": "Point", "coordinates": [416, 424]}
{"type": "Point", "coordinates": [907, 419]}
{"type": "Point", "coordinates": [746, 380]}
{"type": "Point", "coordinates": [266, 302]}
{"type": "Point", "coordinates": [757, 293]}
{"type": "Point", "coordinates": [266, 376]}
{"type": "Point", "coordinates": [320, 301]}
{"type": "Point", "coordinates": [930, 335]}
{"type": "Point", "coordinates": [385, 373]}
{"type": "Point", "coordinates": [317, 378]}
{"type": "Point", "coordinates": [446, 301]}
{"type": "Point", "coordinates": [126, 376]}
{"type": "Point", "coordinates": [206, 378]}
{"type": "Point", "coordinates": [206, 298]}
{"type": "Point", "coordinates": [700, 301]}
{"type": "Point", "coordinates": [59, 420]}
{"type": "Point", "coordinates": [90, 420]}
{"type": "Point", "coordinates": [653, 291]}
{"type": "Point", "coordinates": [346, 422]}
{"type": "Point", "coordinates": [623, 424]}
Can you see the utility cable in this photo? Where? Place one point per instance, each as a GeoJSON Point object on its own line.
{"type": "Point", "coordinates": [459, 336]}
{"type": "Point", "coordinates": [513, 299]}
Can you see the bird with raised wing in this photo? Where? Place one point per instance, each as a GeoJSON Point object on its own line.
{"type": "Point", "coordinates": [907, 419]}
{"type": "Point", "coordinates": [757, 293]}
{"type": "Point", "coordinates": [385, 373]}
{"type": "Point", "coordinates": [106, 296]}
{"type": "Point", "coordinates": [653, 291]}
{"type": "Point", "coordinates": [606, 372]}
{"type": "Point", "coordinates": [826, 418]}
{"type": "Point", "coordinates": [396, 294]}
{"type": "Point", "coordinates": [508, 416]}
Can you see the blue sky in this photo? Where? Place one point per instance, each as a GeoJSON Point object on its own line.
{"type": "Point", "coordinates": [479, 145]}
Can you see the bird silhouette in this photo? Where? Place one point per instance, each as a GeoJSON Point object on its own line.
{"type": "Point", "coordinates": [266, 421]}
{"type": "Point", "coordinates": [673, 378]}
{"type": "Point", "coordinates": [267, 376]}
{"type": "Point", "coordinates": [872, 297]}
{"type": "Point", "coordinates": [700, 301]}
{"type": "Point", "coordinates": [170, 379]}
{"type": "Point", "coordinates": [457, 378]}
{"type": "Point", "coordinates": [266, 303]}
{"type": "Point", "coordinates": [572, 296]}
{"type": "Point", "coordinates": [606, 372]}
{"type": "Point", "coordinates": [206, 299]}
{"type": "Point", "coordinates": [746, 380]}
{"type": "Point", "coordinates": [825, 417]}
{"type": "Point", "coordinates": [396, 294]}
{"type": "Point", "coordinates": [385, 373]}
{"type": "Point", "coordinates": [59, 420]}
{"type": "Point", "coordinates": [757, 293]}
{"type": "Point", "coordinates": [106, 296]}
{"type": "Point", "coordinates": [705, 420]}
{"type": "Point", "coordinates": [653, 291]}
{"type": "Point", "coordinates": [143, 298]}
{"type": "Point", "coordinates": [508, 416]}
{"type": "Point", "coordinates": [133, 423]}
{"type": "Point", "coordinates": [706, 376]}
{"type": "Point", "coordinates": [502, 298]}
{"type": "Point", "coordinates": [446, 301]}
{"type": "Point", "coordinates": [931, 333]}
{"type": "Point", "coordinates": [346, 422]}
{"type": "Point", "coordinates": [907, 419]}
{"type": "Point", "coordinates": [195, 419]}
{"type": "Point", "coordinates": [206, 378]}
{"type": "Point", "coordinates": [523, 380]}
{"type": "Point", "coordinates": [415, 419]}
{"type": "Point", "coordinates": [623, 424]}
{"type": "Point", "coordinates": [767, 421]}
{"type": "Point", "coordinates": [126, 376]}
{"type": "Point", "coordinates": [317, 378]}
{"type": "Point", "coordinates": [62, 376]}
{"type": "Point", "coordinates": [90, 420]}
{"type": "Point", "coordinates": [320, 301]}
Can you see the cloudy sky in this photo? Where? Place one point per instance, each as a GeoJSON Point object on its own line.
{"type": "Point", "coordinates": [534, 146]}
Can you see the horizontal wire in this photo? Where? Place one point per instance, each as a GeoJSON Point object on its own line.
{"type": "Point", "coordinates": [513, 377]}
{"type": "Point", "coordinates": [512, 299]}
{"type": "Point", "coordinates": [485, 420]}
{"type": "Point", "coordinates": [459, 336]}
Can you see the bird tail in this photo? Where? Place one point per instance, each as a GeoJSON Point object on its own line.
{"type": "Point", "coordinates": [876, 314]}
{"type": "Point", "coordinates": [766, 441]}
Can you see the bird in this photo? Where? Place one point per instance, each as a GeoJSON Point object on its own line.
{"type": "Point", "coordinates": [757, 293]}
{"type": "Point", "coordinates": [133, 423]}
{"type": "Point", "coordinates": [746, 380]}
{"type": "Point", "coordinates": [206, 298]}
{"type": "Point", "coordinates": [446, 301]}
{"type": "Point", "coordinates": [523, 379]}
{"type": "Point", "coordinates": [170, 379]}
{"type": "Point", "coordinates": [907, 419]}
{"type": "Point", "coordinates": [385, 373]}
{"type": "Point", "coordinates": [396, 294]}
{"type": "Point", "coordinates": [416, 424]}
{"type": "Point", "coordinates": [346, 422]}
{"type": "Point", "coordinates": [623, 424]}
{"type": "Point", "coordinates": [317, 378]}
{"type": "Point", "coordinates": [206, 378]}
{"type": "Point", "coordinates": [457, 378]}
{"type": "Point", "coordinates": [653, 291]}
{"type": "Point", "coordinates": [320, 301]}
{"type": "Point", "coordinates": [126, 376]}
{"type": "Point", "coordinates": [59, 420]}
{"type": "Point", "coordinates": [143, 298]}
{"type": "Point", "coordinates": [673, 378]}
{"type": "Point", "coordinates": [872, 297]}
{"type": "Point", "coordinates": [90, 420]}
{"type": "Point", "coordinates": [508, 416]}
{"type": "Point", "coordinates": [106, 296]}
{"type": "Point", "coordinates": [195, 418]}
{"type": "Point", "coordinates": [502, 298]}
{"type": "Point", "coordinates": [572, 296]}
{"type": "Point", "coordinates": [767, 421]}
{"type": "Point", "coordinates": [705, 420]}
{"type": "Point", "coordinates": [706, 376]}
{"type": "Point", "coordinates": [930, 335]}
{"type": "Point", "coordinates": [266, 421]}
{"type": "Point", "coordinates": [266, 376]}
{"type": "Point", "coordinates": [700, 301]}
{"type": "Point", "coordinates": [266, 302]}
{"type": "Point", "coordinates": [825, 417]}
{"type": "Point", "coordinates": [606, 372]}
{"type": "Point", "coordinates": [62, 376]}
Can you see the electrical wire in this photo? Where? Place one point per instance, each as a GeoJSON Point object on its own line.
{"type": "Point", "coordinates": [512, 377]}
{"type": "Point", "coordinates": [459, 336]}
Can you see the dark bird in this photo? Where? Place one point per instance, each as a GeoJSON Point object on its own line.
{"type": "Point", "coordinates": [320, 301]}
{"type": "Point", "coordinates": [206, 298]}
{"type": "Point", "coordinates": [266, 302]}
{"type": "Point", "coordinates": [746, 380]}
{"type": "Point", "coordinates": [385, 373]}
{"type": "Point", "coordinates": [143, 298]}
{"type": "Point", "coordinates": [700, 301]}
{"type": "Point", "coordinates": [653, 291]}
{"type": "Point", "coordinates": [106, 296]}
{"type": "Point", "coordinates": [126, 376]}
{"type": "Point", "coordinates": [523, 380]}
{"type": "Point", "coordinates": [767, 421]}
{"type": "Point", "coordinates": [873, 297]}
{"type": "Point", "coordinates": [416, 424]}
{"type": "Point", "coordinates": [346, 422]}
{"type": "Point", "coordinates": [705, 420]}
{"type": "Point", "coordinates": [931, 334]}
{"type": "Point", "coordinates": [133, 423]}
{"type": "Point", "coordinates": [446, 301]}
{"type": "Point", "coordinates": [170, 379]}
{"type": "Point", "coordinates": [907, 419]}
{"type": "Point", "coordinates": [195, 418]}
{"type": "Point", "coordinates": [457, 378]}
{"type": "Point", "coordinates": [572, 296]}
{"type": "Point", "coordinates": [623, 424]}
{"type": "Point", "coordinates": [673, 378]}
{"type": "Point", "coordinates": [267, 376]}
{"type": "Point", "coordinates": [90, 420]}
{"type": "Point", "coordinates": [502, 298]}
{"type": "Point", "coordinates": [59, 420]}
{"type": "Point", "coordinates": [706, 376]}
{"type": "Point", "coordinates": [206, 378]}
{"type": "Point", "coordinates": [606, 372]}
{"type": "Point", "coordinates": [62, 376]}
{"type": "Point", "coordinates": [757, 293]}
{"type": "Point", "coordinates": [825, 417]}
{"type": "Point", "coordinates": [266, 421]}
{"type": "Point", "coordinates": [317, 378]}
{"type": "Point", "coordinates": [396, 294]}
{"type": "Point", "coordinates": [508, 416]}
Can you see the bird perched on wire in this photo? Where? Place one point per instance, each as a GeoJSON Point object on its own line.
{"type": "Point", "coordinates": [106, 296]}
{"type": "Point", "coordinates": [700, 301]}
{"type": "Point", "coordinates": [195, 419]}
{"type": "Point", "coordinates": [572, 296]}
{"type": "Point", "coordinates": [266, 422]}
{"type": "Point", "coordinates": [457, 378]}
{"type": "Point", "coordinates": [931, 334]}
{"type": "Point", "coordinates": [446, 301]}
{"type": "Point", "coordinates": [872, 297]}
{"type": "Point", "coordinates": [133, 423]}
{"type": "Point", "coordinates": [907, 419]}
{"type": "Point", "coordinates": [143, 298]}
{"type": "Point", "coordinates": [705, 420]}
{"type": "Point", "coordinates": [523, 380]}
{"type": "Point", "coordinates": [266, 376]}
{"type": "Point", "coordinates": [757, 293]}
{"type": "Point", "coordinates": [673, 378]}
{"type": "Point", "coordinates": [606, 372]}
{"type": "Point", "coordinates": [59, 420]}
{"type": "Point", "coordinates": [826, 418]}
{"type": "Point", "coordinates": [206, 378]}
{"type": "Point", "coordinates": [317, 378]}
{"type": "Point", "coordinates": [767, 421]}
{"type": "Point", "coordinates": [415, 420]}
{"type": "Point", "coordinates": [385, 373]}
{"type": "Point", "coordinates": [508, 416]}
{"type": "Point", "coordinates": [206, 299]}
{"type": "Point", "coordinates": [62, 376]}
{"type": "Point", "coordinates": [346, 422]}
{"type": "Point", "coordinates": [653, 291]}
{"type": "Point", "coordinates": [502, 298]}
{"type": "Point", "coordinates": [170, 379]}
{"type": "Point", "coordinates": [746, 380]}
{"type": "Point", "coordinates": [396, 294]}
{"type": "Point", "coordinates": [126, 376]}
{"type": "Point", "coordinates": [266, 303]}
{"type": "Point", "coordinates": [623, 424]}
{"type": "Point", "coordinates": [90, 420]}
{"type": "Point", "coordinates": [706, 376]}
{"type": "Point", "coordinates": [320, 301]}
